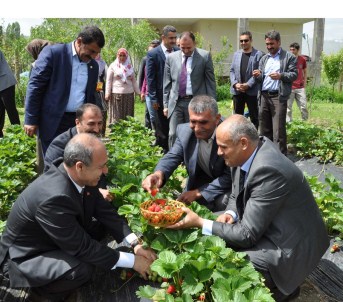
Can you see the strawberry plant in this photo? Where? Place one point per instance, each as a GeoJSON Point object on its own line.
{"type": "Point", "coordinates": [311, 140]}
{"type": "Point", "coordinates": [18, 163]}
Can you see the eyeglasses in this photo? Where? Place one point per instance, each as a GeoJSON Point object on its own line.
{"type": "Point", "coordinates": [245, 40]}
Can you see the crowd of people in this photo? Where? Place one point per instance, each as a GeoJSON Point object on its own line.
{"type": "Point", "coordinates": [236, 166]}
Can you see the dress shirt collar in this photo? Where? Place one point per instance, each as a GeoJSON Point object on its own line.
{"type": "Point", "coordinates": [246, 166]}
{"type": "Point", "coordinates": [79, 188]}
{"type": "Point", "coordinates": [277, 54]}
{"type": "Point", "coordinates": [165, 50]}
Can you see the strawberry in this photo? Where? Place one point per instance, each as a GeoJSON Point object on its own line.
{"type": "Point", "coordinates": [202, 297]}
{"type": "Point", "coordinates": [154, 192]}
{"type": "Point", "coordinates": [129, 274]}
{"type": "Point", "coordinates": [171, 289]}
{"type": "Point", "coordinates": [158, 208]}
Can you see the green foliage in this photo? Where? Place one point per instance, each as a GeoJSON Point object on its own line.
{"type": "Point", "coordinates": [324, 94]}
{"type": "Point", "coordinates": [333, 67]}
{"type": "Point", "coordinates": [223, 92]}
{"type": "Point", "coordinates": [20, 91]}
{"type": "Point", "coordinates": [17, 162]}
{"type": "Point", "coordinates": [311, 140]}
{"type": "Point", "coordinates": [329, 197]}
{"type": "Point", "coordinates": [220, 56]}
{"type": "Point", "coordinates": [118, 33]}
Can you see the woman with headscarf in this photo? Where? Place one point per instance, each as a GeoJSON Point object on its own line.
{"type": "Point", "coordinates": [120, 87]}
{"type": "Point", "coordinates": [35, 47]}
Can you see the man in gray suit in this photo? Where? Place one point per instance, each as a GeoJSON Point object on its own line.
{"type": "Point", "coordinates": [272, 214]}
{"type": "Point", "coordinates": [187, 73]}
{"type": "Point", "coordinates": [209, 179]}
{"type": "Point", "coordinates": [7, 94]}
{"type": "Point", "coordinates": [244, 87]}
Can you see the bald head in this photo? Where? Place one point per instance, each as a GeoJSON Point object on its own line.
{"type": "Point", "coordinates": [81, 148]}
{"type": "Point", "coordinates": [237, 138]}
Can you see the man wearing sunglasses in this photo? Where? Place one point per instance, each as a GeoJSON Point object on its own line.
{"type": "Point", "coordinates": [64, 77]}
{"type": "Point", "coordinates": [244, 87]}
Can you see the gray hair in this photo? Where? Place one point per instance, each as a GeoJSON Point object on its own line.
{"type": "Point", "coordinates": [202, 103]}
{"type": "Point", "coordinates": [167, 29]}
{"type": "Point", "coordinates": [242, 127]}
{"type": "Point", "coordinates": [273, 35]}
{"type": "Point", "coordinates": [80, 148]}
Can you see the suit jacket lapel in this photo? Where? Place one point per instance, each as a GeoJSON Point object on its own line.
{"type": "Point", "coordinates": [194, 156]}
{"type": "Point", "coordinates": [69, 66]}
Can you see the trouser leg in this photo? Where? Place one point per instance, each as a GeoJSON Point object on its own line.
{"type": "Point", "coordinates": [265, 117]}
{"type": "Point", "coordinates": [279, 123]}
{"type": "Point", "coordinates": [67, 283]}
{"type": "Point", "coordinates": [301, 100]}
{"type": "Point", "coordinates": [238, 104]}
{"type": "Point", "coordinates": [251, 101]}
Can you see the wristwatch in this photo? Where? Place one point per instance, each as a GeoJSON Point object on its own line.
{"type": "Point", "coordinates": [135, 242]}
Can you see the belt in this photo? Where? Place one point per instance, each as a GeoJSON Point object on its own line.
{"type": "Point", "coordinates": [271, 92]}
{"type": "Point", "coordinates": [186, 97]}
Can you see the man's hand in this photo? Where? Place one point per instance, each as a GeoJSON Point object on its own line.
{"type": "Point", "coordinates": [165, 112]}
{"type": "Point", "coordinates": [275, 75]}
{"type": "Point", "coordinates": [256, 73]}
{"type": "Point", "coordinates": [142, 97]}
{"type": "Point", "coordinates": [30, 130]}
{"type": "Point", "coordinates": [154, 180]}
{"type": "Point", "coordinates": [191, 220]}
{"type": "Point", "coordinates": [142, 266]}
{"type": "Point", "coordinates": [226, 218]}
{"type": "Point", "coordinates": [106, 194]}
{"type": "Point", "coordinates": [147, 253]}
{"type": "Point", "coordinates": [189, 196]}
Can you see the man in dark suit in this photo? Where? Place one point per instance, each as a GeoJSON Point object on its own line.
{"type": "Point", "coordinates": [209, 180]}
{"type": "Point", "coordinates": [89, 119]}
{"type": "Point", "coordinates": [154, 70]}
{"type": "Point", "coordinates": [63, 78]}
{"type": "Point", "coordinates": [142, 84]}
{"type": "Point", "coordinates": [47, 244]}
{"type": "Point", "coordinates": [187, 73]}
{"type": "Point", "coordinates": [272, 214]}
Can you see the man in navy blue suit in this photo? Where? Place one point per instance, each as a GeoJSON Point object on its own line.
{"type": "Point", "coordinates": [63, 78]}
{"type": "Point", "coordinates": [154, 71]}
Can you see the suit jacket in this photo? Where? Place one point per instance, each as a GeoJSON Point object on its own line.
{"type": "Point", "coordinates": [288, 70]}
{"type": "Point", "coordinates": [49, 87]}
{"type": "Point", "coordinates": [46, 232]}
{"type": "Point", "coordinates": [7, 78]}
{"type": "Point", "coordinates": [277, 215]}
{"type": "Point", "coordinates": [57, 146]}
{"type": "Point", "coordinates": [235, 71]}
{"type": "Point", "coordinates": [154, 71]}
{"type": "Point", "coordinates": [202, 77]}
{"type": "Point", "coordinates": [185, 149]}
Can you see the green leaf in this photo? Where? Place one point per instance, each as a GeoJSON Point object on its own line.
{"type": "Point", "coordinates": [181, 236]}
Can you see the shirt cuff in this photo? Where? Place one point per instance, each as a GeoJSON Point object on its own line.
{"type": "Point", "coordinates": [233, 214]}
{"type": "Point", "coordinates": [126, 260]}
{"type": "Point", "coordinates": [207, 227]}
{"type": "Point", "coordinates": [130, 238]}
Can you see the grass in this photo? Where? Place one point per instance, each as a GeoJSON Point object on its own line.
{"type": "Point", "coordinates": [324, 114]}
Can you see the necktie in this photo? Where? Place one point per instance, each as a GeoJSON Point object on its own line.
{"type": "Point", "coordinates": [183, 78]}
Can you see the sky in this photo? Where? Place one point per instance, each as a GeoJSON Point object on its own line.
{"type": "Point", "coordinates": [31, 13]}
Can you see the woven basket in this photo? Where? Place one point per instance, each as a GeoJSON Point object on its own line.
{"type": "Point", "coordinates": [164, 217]}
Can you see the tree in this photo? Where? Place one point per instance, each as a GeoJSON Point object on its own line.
{"type": "Point", "coordinates": [333, 67]}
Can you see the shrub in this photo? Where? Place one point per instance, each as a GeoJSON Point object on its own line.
{"type": "Point", "coordinates": [20, 91]}
{"type": "Point", "coordinates": [324, 93]}
{"type": "Point", "coordinates": [223, 92]}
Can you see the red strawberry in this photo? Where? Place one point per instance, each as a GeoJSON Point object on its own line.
{"type": "Point", "coordinates": [171, 289]}
{"type": "Point", "coordinates": [154, 192]}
